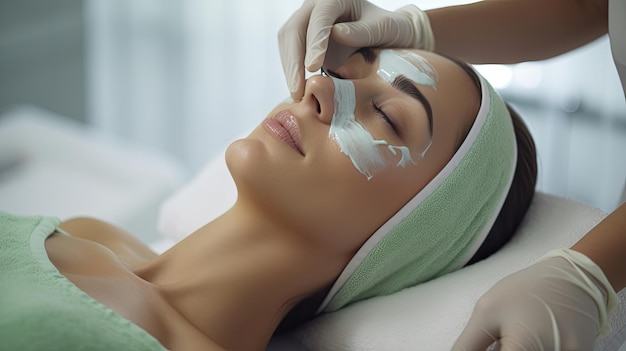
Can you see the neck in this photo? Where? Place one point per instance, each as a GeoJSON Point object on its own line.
{"type": "Point", "coordinates": [239, 275]}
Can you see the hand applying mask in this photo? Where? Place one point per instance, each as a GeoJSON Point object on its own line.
{"type": "Point", "coordinates": [338, 27]}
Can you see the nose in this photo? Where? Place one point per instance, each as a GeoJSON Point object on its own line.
{"type": "Point", "coordinates": [319, 97]}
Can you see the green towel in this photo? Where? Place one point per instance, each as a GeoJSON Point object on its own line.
{"type": "Point", "coordinates": [441, 227]}
{"type": "Point", "coordinates": [41, 310]}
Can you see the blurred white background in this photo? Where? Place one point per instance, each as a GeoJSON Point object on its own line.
{"type": "Point", "coordinates": [184, 78]}
{"type": "Point", "coordinates": [187, 77]}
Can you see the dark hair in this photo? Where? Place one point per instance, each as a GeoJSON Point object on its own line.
{"type": "Point", "coordinates": [513, 210]}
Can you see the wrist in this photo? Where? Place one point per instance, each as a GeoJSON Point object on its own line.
{"type": "Point", "coordinates": [589, 277]}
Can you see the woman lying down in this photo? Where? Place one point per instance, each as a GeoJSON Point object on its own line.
{"type": "Point", "coordinates": [395, 168]}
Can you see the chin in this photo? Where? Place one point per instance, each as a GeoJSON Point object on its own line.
{"type": "Point", "coordinates": [253, 167]}
{"type": "Point", "coordinates": [244, 156]}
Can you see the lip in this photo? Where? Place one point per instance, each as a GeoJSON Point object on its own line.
{"type": "Point", "coordinates": [284, 126]}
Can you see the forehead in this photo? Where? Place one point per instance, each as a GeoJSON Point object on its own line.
{"type": "Point", "coordinates": [421, 61]}
{"type": "Point", "coordinates": [455, 98]}
{"type": "Point", "coordinates": [392, 63]}
{"type": "Point", "coordinates": [453, 83]}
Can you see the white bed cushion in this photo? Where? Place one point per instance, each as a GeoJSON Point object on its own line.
{"type": "Point", "coordinates": [418, 318]}
{"type": "Point", "coordinates": [52, 165]}
{"type": "Point", "coordinates": [423, 318]}
{"type": "Point", "coordinates": [207, 195]}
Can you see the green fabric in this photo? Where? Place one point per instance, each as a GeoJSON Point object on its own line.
{"type": "Point", "coordinates": [41, 310]}
{"type": "Point", "coordinates": [440, 231]}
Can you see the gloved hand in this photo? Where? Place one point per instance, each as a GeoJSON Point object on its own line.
{"type": "Point", "coordinates": [562, 302]}
{"type": "Point", "coordinates": [304, 39]}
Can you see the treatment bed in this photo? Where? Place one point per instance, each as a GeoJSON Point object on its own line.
{"type": "Point", "coordinates": [53, 167]}
{"type": "Point", "coordinates": [417, 318]}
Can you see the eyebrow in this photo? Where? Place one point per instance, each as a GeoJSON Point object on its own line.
{"type": "Point", "coordinates": [407, 86]}
{"type": "Point", "coordinates": [403, 84]}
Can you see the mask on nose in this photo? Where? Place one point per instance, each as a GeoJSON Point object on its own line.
{"type": "Point", "coordinates": [370, 155]}
{"type": "Point", "coordinates": [442, 227]}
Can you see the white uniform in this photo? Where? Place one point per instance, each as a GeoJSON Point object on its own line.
{"type": "Point", "coordinates": [617, 36]}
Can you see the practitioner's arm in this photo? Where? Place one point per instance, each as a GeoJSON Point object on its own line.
{"type": "Point", "coordinates": [491, 31]}
{"type": "Point", "coordinates": [509, 31]}
{"type": "Point", "coordinates": [559, 303]}
{"type": "Point", "coordinates": [605, 245]}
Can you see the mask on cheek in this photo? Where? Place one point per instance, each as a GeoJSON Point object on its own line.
{"type": "Point", "coordinates": [369, 155]}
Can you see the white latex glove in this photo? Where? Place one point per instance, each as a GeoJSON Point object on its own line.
{"type": "Point", "coordinates": [304, 39]}
{"type": "Point", "coordinates": [562, 302]}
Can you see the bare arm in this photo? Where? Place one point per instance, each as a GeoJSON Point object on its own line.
{"type": "Point", "coordinates": [605, 244]}
{"type": "Point", "coordinates": [510, 31]}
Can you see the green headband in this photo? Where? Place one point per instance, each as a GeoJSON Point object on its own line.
{"type": "Point", "coordinates": [442, 227]}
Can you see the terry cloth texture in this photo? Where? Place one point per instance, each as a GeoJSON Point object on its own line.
{"type": "Point", "coordinates": [41, 310]}
{"type": "Point", "coordinates": [430, 316]}
{"type": "Point", "coordinates": [441, 228]}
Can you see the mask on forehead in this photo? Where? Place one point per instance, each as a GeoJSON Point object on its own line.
{"type": "Point", "coordinates": [394, 63]}
{"type": "Point", "coordinates": [369, 155]}
{"type": "Point", "coordinates": [443, 225]}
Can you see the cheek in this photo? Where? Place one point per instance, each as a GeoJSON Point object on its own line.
{"type": "Point", "coordinates": [369, 207]}
{"type": "Point", "coordinates": [349, 217]}
{"type": "Point", "coordinates": [341, 203]}
{"type": "Point", "coordinates": [397, 186]}
{"type": "Point", "coordinates": [378, 197]}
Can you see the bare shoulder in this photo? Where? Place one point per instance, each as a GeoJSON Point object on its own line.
{"type": "Point", "coordinates": [130, 250]}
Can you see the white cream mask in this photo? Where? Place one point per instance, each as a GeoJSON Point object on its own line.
{"type": "Point", "coordinates": [394, 63]}
{"type": "Point", "coordinates": [354, 140]}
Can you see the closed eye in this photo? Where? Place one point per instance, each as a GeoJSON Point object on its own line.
{"type": "Point", "coordinates": [328, 73]}
{"type": "Point", "coordinates": [407, 86]}
{"type": "Point", "coordinates": [384, 116]}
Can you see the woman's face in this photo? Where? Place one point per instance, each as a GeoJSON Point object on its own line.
{"type": "Point", "coordinates": [363, 140]}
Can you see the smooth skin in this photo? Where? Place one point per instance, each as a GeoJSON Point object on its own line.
{"type": "Point", "coordinates": [511, 31]}
{"type": "Point", "coordinates": [490, 31]}
{"type": "Point", "coordinates": [299, 217]}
